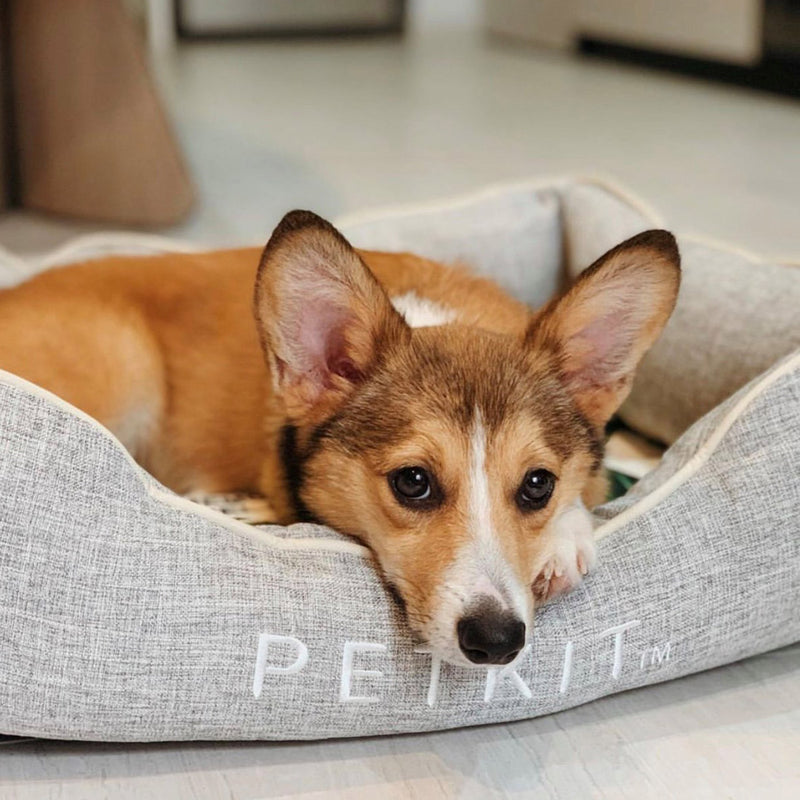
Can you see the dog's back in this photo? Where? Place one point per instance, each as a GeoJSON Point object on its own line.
{"type": "Point", "coordinates": [164, 351]}
{"type": "Point", "coordinates": [161, 350]}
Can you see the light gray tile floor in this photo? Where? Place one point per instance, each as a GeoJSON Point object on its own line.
{"type": "Point", "coordinates": [337, 126]}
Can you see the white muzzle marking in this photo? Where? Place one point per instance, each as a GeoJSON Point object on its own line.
{"type": "Point", "coordinates": [480, 569]}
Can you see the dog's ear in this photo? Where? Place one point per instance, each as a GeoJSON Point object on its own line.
{"type": "Point", "coordinates": [322, 316]}
{"type": "Point", "coordinates": [608, 319]}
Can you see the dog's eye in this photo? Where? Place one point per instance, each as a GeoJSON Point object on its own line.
{"type": "Point", "coordinates": [536, 490]}
{"type": "Point", "coordinates": [412, 486]}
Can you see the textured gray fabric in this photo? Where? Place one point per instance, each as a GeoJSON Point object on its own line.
{"type": "Point", "coordinates": [734, 318]}
{"type": "Point", "coordinates": [125, 618]}
{"type": "Point", "coordinates": [129, 614]}
{"type": "Point", "coordinates": [513, 235]}
{"type": "Point", "coordinates": [595, 219]}
{"type": "Point", "coordinates": [736, 315]}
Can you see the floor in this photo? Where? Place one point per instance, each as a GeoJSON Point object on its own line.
{"type": "Point", "coordinates": [338, 126]}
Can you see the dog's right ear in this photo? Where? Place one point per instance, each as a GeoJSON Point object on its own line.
{"type": "Point", "coordinates": [322, 316]}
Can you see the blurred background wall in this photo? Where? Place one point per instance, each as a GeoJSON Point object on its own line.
{"type": "Point", "coordinates": [208, 120]}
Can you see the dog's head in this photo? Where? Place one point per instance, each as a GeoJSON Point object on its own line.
{"type": "Point", "coordinates": [451, 451]}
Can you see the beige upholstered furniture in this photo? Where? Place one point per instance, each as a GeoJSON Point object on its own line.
{"type": "Point", "coordinates": [84, 132]}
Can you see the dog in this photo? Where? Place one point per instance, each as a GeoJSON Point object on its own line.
{"type": "Point", "coordinates": [407, 403]}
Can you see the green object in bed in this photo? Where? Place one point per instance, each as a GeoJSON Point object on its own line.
{"type": "Point", "coordinates": [618, 484]}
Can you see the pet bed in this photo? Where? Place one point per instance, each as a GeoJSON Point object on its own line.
{"type": "Point", "coordinates": [128, 613]}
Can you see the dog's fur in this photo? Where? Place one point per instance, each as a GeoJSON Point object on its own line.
{"type": "Point", "coordinates": [375, 362]}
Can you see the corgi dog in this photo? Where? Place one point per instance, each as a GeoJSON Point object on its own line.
{"type": "Point", "coordinates": [407, 403]}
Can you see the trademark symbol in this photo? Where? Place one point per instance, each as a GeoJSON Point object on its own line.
{"type": "Point", "coordinates": [655, 656]}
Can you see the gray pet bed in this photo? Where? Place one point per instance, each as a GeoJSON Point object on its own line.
{"type": "Point", "coordinates": [129, 613]}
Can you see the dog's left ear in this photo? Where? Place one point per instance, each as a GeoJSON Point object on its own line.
{"type": "Point", "coordinates": [608, 319]}
{"type": "Point", "coordinates": [322, 316]}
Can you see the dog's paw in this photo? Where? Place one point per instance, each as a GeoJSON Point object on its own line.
{"type": "Point", "coordinates": [573, 555]}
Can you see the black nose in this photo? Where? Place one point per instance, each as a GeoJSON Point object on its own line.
{"type": "Point", "coordinates": [491, 636]}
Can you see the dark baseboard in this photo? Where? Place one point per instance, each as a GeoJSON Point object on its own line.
{"type": "Point", "coordinates": [394, 26]}
{"type": "Point", "coordinates": [291, 34]}
{"type": "Point", "coordinates": [772, 74]}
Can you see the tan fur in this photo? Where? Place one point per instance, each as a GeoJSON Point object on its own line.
{"type": "Point", "coordinates": [165, 351]}
{"type": "Point", "coordinates": [178, 330]}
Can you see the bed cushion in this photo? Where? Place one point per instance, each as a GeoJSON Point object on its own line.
{"type": "Point", "coordinates": [511, 233]}
{"type": "Point", "coordinates": [736, 314]}
{"type": "Point", "coordinates": [131, 614]}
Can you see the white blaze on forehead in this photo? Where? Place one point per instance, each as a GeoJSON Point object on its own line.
{"type": "Point", "coordinates": [480, 503]}
{"type": "Point", "coordinates": [480, 567]}
{"type": "Point", "coordinates": [420, 312]}
{"type": "Point", "coordinates": [493, 575]}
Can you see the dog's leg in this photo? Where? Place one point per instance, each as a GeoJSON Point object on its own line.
{"type": "Point", "coordinates": [572, 554]}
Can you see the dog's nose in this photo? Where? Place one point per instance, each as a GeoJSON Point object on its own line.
{"type": "Point", "coordinates": [491, 636]}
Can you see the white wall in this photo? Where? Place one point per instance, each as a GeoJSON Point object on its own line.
{"type": "Point", "coordinates": [424, 15]}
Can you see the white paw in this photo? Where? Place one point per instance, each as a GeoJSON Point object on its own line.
{"type": "Point", "coordinates": [572, 554]}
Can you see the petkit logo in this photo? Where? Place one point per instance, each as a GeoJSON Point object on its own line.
{"type": "Point", "coordinates": [280, 655]}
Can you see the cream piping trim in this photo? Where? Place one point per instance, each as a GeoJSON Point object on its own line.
{"type": "Point", "coordinates": [647, 503]}
{"type": "Point", "coordinates": [91, 246]}
{"type": "Point", "coordinates": [164, 496]}
{"type": "Point", "coordinates": [487, 192]}
{"type": "Point", "coordinates": [693, 465]}
{"type": "Point", "coordinates": [743, 252]}
{"type": "Point", "coordinates": [260, 535]}
{"type": "Point", "coordinates": [104, 244]}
